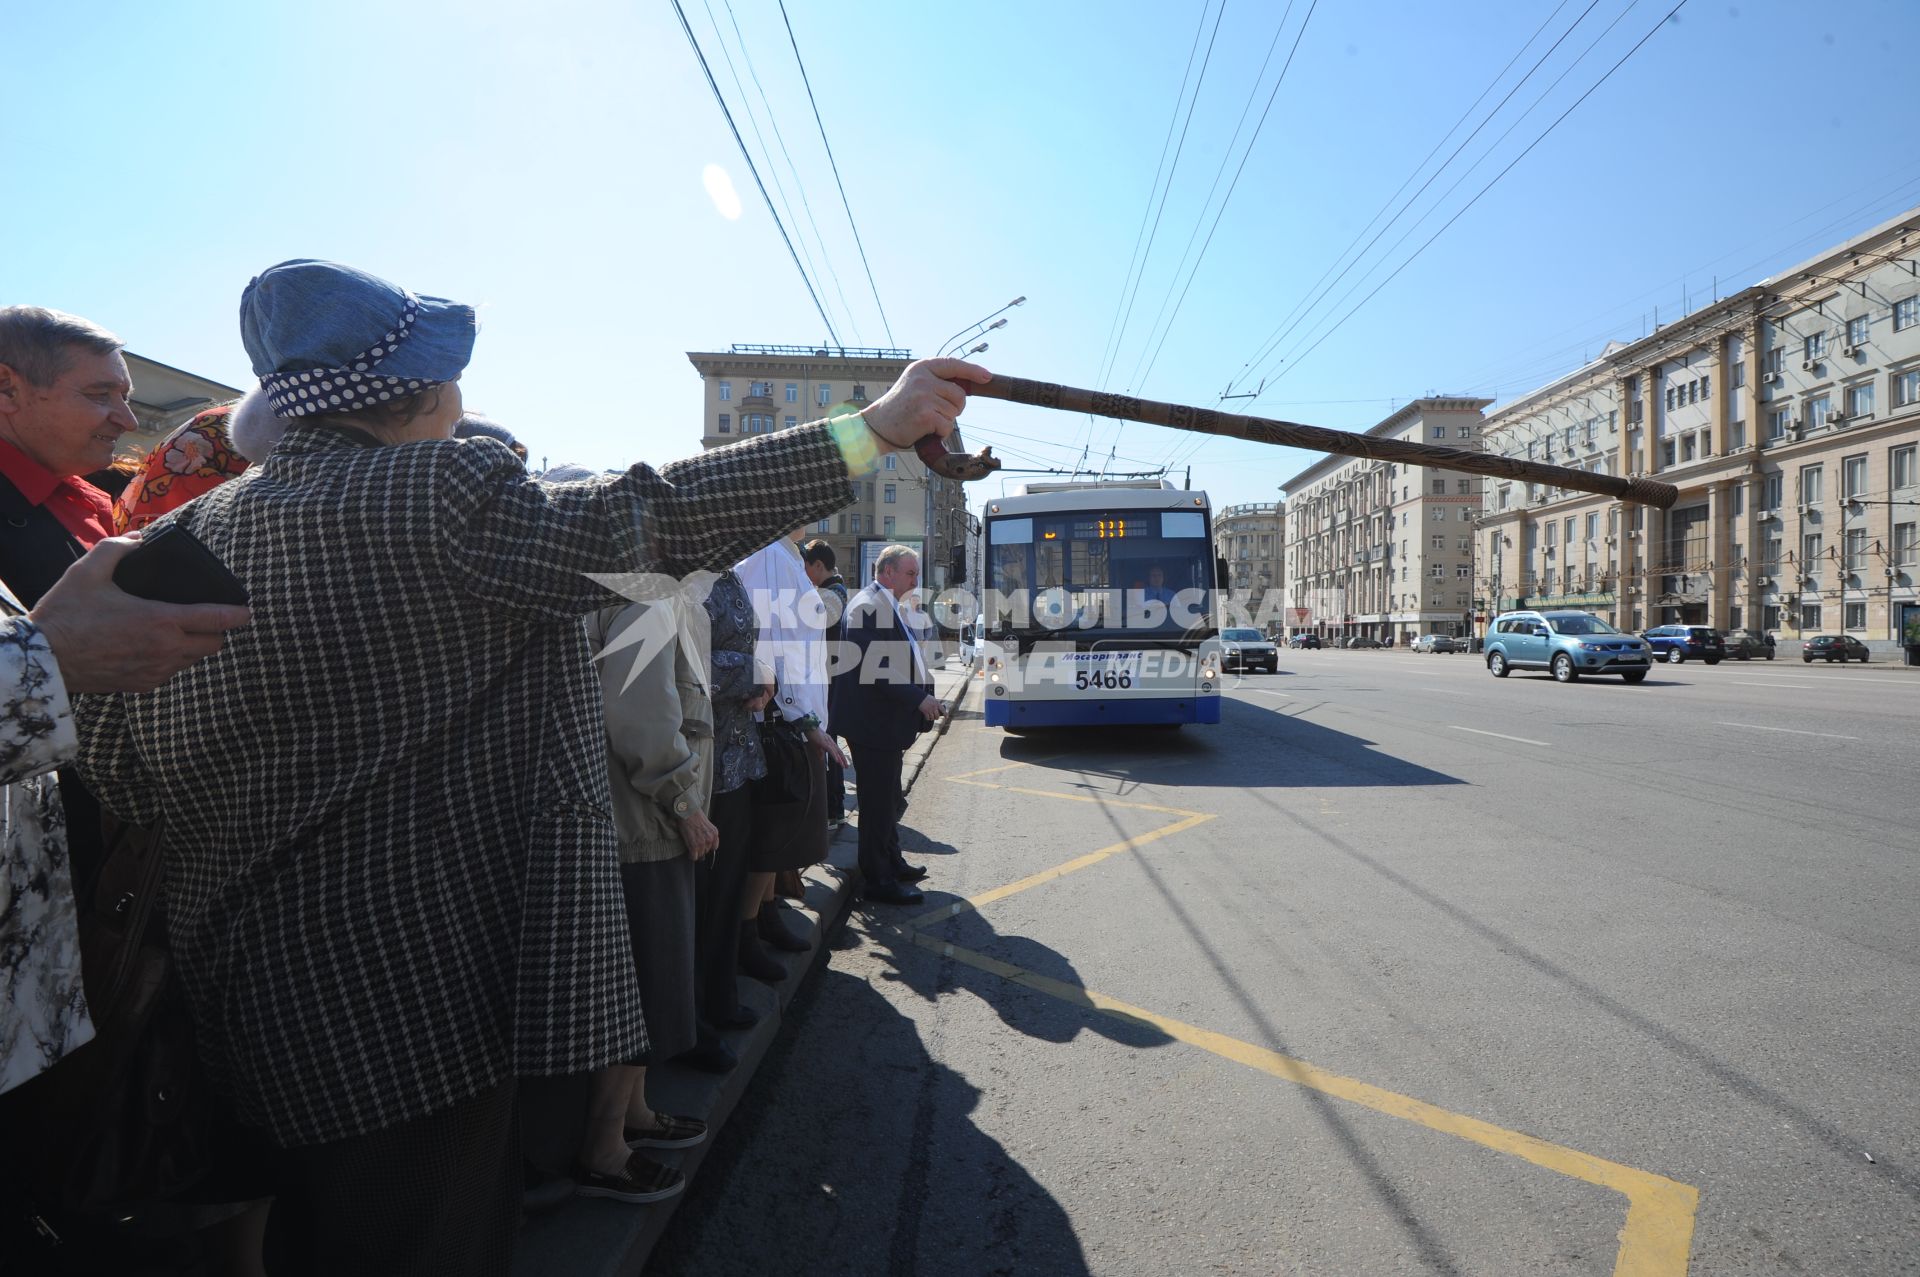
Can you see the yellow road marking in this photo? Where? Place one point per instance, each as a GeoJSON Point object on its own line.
{"type": "Point", "coordinates": [1655, 1241]}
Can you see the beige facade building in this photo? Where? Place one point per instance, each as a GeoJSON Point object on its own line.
{"type": "Point", "coordinates": [1382, 550]}
{"type": "Point", "coordinates": [1789, 417]}
{"type": "Point", "coordinates": [1252, 538]}
{"type": "Point", "coordinates": [163, 399]}
{"type": "Point", "coordinates": [753, 389]}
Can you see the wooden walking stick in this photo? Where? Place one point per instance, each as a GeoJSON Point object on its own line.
{"type": "Point", "coordinates": [1289, 434]}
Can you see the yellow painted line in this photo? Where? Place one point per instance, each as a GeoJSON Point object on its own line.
{"type": "Point", "coordinates": [1188, 820]}
{"type": "Point", "coordinates": [1655, 1241]}
{"type": "Point", "coordinates": [1058, 871]}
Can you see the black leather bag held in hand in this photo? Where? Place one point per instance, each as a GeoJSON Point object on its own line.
{"type": "Point", "coordinates": [789, 770]}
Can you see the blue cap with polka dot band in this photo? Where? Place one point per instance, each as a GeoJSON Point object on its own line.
{"type": "Point", "coordinates": [329, 338]}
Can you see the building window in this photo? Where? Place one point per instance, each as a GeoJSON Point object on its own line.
{"type": "Point", "coordinates": [1856, 549]}
{"type": "Point", "coordinates": [1464, 432]}
{"type": "Point", "coordinates": [1671, 396]}
{"type": "Point", "coordinates": [1813, 347]}
{"type": "Point", "coordinates": [763, 389]}
{"type": "Point", "coordinates": [1810, 616]}
{"type": "Point", "coordinates": [726, 391]}
{"type": "Point", "coordinates": [1737, 500]}
{"type": "Point", "coordinates": [1739, 375]}
{"type": "Point", "coordinates": [1463, 571]}
{"type": "Point", "coordinates": [1856, 616]}
{"type": "Point", "coordinates": [1438, 572]}
{"type": "Point", "coordinates": [1811, 483]}
{"type": "Point", "coordinates": [1439, 432]}
{"type": "Point", "coordinates": [1906, 313]}
{"type": "Point", "coordinates": [887, 494]}
{"type": "Point", "coordinates": [1770, 616]}
{"type": "Point", "coordinates": [1439, 487]}
{"type": "Point", "coordinates": [1686, 447]}
{"type": "Point", "coordinates": [886, 526]}
{"type": "Point", "coordinates": [1772, 486]}
{"type": "Point", "coordinates": [1906, 389]}
{"type": "Point", "coordinates": [1857, 331]}
{"type": "Point", "coordinates": [1770, 551]}
{"type": "Point", "coordinates": [791, 422]}
{"type": "Point", "coordinates": [1818, 409]}
{"type": "Point", "coordinates": [1506, 496]}
{"type": "Point", "coordinates": [1906, 545]}
{"type": "Point", "coordinates": [1859, 401]}
{"type": "Point", "coordinates": [892, 462]}
{"type": "Point", "coordinates": [1811, 547]}
{"type": "Point", "coordinates": [1776, 359]}
{"type": "Point", "coordinates": [1553, 533]}
{"type": "Point", "coordinates": [1736, 435]}
{"type": "Point", "coordinates": [1464, 487]}
{"type": "Point", "coordinates": [1778, 419]}
{"type": "Point", "coordinates": [726, 423]}
{"type": "Point", "coordinates": [853, 524]}
{"type": "Point", "coordinates": [1706, 386]}
{"type": "Point", "coordinates": [824, 394]}
{"type": "Point", "coordinates": [1439, 540]}
{"type": "Point", "coordinates": [1593, 525]}
{"type": "Point", "coordinates": [1666, 454]}
{"type": "Point", "coordinates": [824, 526]}
{"type": "Point", "coordinates": [1853, 477]}
{"type": "Point", "coordinates": [1901, 465]}
{"type": "Point", "coordinates": [793, 392]}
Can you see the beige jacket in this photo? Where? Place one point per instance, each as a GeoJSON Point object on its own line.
{"type": "Point", "coordinates": [652, 660]}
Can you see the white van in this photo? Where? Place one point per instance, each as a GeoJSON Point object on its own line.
{"type": "Point", "coordinates": [970, 636]}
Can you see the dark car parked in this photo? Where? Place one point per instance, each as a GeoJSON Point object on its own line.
{"type": "Point", "coordinates": [1833, 647]}
{"type": "Point", "coordinates": [1744, 645]}
{"type": "Point", "coordinates": [1304, 641]}
{"type": "Point", "coordinates": [1677, 643]}
{"type": "Point", "coordinates": [1363, 641]}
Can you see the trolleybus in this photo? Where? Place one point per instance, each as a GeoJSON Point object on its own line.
{"type": "Point", "coordinates": [1100, 606]}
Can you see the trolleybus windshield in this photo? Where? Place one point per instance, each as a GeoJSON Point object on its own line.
{"type": "Point", "coordinates": [1138, 571]}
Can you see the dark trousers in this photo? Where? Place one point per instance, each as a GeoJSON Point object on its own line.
{"type": "Point", "coordinates": [436, 1195]}
{"type": "Point", "coordinates": [716, 906]}
{"type": "Point", "coordinates": [836, 790]}
{"type": "Point", "coordinates": [879, 771]}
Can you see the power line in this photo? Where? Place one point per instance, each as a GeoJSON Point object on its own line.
{"type": "Point", "coordinates": [1167, 190]}
{"type": "Point", "coordinates": [806, 205]}
{"type": "Point", "coordinates": [1231, 186]}
{"type": "Point", "coordinates": [1277, 336]}
{"type": "Point", "coordinates": [773, 169]}
{"type": "Point", "coordinates": [1492, 183]}
{"type": "Point", "coordinates": [836, 172]}
{"type": "Point", "coordinates": [748, 157]}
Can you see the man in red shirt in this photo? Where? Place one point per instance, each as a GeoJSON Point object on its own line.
{"type": "Point", "coordinates": [63, 406]}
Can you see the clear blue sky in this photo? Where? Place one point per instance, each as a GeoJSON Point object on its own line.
{"type": "Point", "coordinates": [546, 164]}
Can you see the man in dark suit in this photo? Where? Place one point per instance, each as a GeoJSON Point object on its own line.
{"type": "Point", "coordinates": [883, 702]}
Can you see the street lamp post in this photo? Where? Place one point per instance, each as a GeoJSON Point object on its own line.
{"type": "Point", "coordinates": [967, 332]}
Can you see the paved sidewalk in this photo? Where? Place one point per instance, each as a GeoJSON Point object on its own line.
{"type": "Point", "coordinates": [569, 1236]}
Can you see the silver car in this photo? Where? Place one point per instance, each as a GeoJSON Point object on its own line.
{"type": "Point", "coordinates": [1568, 644]}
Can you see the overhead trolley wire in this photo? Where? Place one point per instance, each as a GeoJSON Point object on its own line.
{"type": "Point", "coordinates": [858, 243]}
{"type": "Point", "coordinates": [1278, 335]}
{"type": "Point", "coordinates": [772, 212]}
{"type": "Point", "coordinates": [773, 170]}
{"type": "Point", "coordinates": [1494, 181]}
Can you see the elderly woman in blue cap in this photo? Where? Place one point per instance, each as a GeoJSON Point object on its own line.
{"type": "Point", "coordinates": [393, 884]}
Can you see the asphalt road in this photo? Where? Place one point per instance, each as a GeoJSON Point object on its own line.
{"type": "Point", "coordinates": [1399, 969]}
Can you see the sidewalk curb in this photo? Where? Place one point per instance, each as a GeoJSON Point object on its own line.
{"type": "Point", "coordinates": [568, 1236]}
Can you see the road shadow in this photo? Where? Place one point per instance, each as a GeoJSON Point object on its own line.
{"type": "Point", "coordinates": [856, 1153]}
{"type": "Point", "coordinates": [931, 973]}
{"type": "Point", "coordinates": [1253, 748]}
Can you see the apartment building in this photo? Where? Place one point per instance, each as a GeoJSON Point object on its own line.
{"type": "Point", "coordinates": [1252, 538]}
{"type": "Point", "coordinates": [756, 389]}
{"type": "Point", "coordinates": [1788, 415]}
{"type": "Point", "coordinates": [1382, 550]}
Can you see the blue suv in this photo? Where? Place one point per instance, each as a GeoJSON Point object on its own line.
{"type": "Point", "coordinates": [1677, 643]}
{"type": "Point", "coordinates": [1568, 644]}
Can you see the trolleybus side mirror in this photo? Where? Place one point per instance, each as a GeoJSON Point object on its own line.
{"type": "Point", "coordinates": [1220, 572]}
{"type": "Point", "coordinates": [957, 566]}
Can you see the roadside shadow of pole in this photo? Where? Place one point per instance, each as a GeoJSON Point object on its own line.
{"type": "Point", "coordinates": [1034, 989]}
{"type": "Point", "coordinates": [856, 1153]}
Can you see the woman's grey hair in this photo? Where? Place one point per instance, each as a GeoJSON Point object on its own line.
{"type": "Point", "coordinates": [39, 343]}
{"type": "Point", "coordinates": [253, 427]}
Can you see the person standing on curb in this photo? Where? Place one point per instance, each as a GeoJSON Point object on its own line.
{"type": "Point", "coordinates": [887, 701]}
{"type": "Point", "coordinates": [821, 570]}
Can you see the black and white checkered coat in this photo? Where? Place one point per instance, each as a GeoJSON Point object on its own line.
{"type": "Point", "coordinates": [392, 875]}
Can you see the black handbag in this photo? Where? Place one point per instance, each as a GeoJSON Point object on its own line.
{"type": "Point", "coordinates": [789, 777]}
